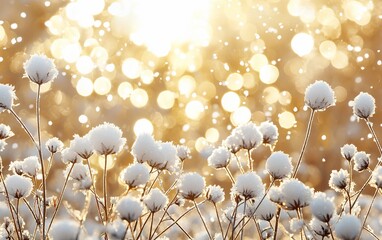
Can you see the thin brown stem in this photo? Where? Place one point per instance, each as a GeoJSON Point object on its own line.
{"type": "Point", "coordinates": [277, 223]}
{"type": "Point", "coordinates": [218, 218]}
{"type": "Point", "coordinates": [18, 217]}
{"type": "Point", "coordinates": [94, 190]}
{"type": "Point", "coordinates": [132, 231]}
{"type": "Point", "coordinates": [201, 218]}
{"type": "Point", "coordinates": [239, 164]}
{"type": "Point", "coordinates": [144, 224]}
{"type": "Point", "coordinates": [330, 230]}
{"type": "Point", "coordinates": [368, 212]}
{"type": "Point", "coordinates": [308, 131]}
{"type": "Point", "coordinates": [229, 175]}
{"type": "Point", "coordinates": [105, 190]}
{"type": "Point", "coordinates": [32, 212]}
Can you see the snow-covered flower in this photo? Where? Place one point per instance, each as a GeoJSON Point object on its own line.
{"type": "Point", "coordinates": [40, 69]}
{"type": "Point", "coordinates": [322, 207]}
{"type": "Point", "coordinates": [135, 175]}
{"type": "Point", "coordinates": [339, 180]}
{"type": "Point", "coordinates": [348, 227]}
{"type": "Point", "coordinates": [116, 229]}
{"type": "Point", "coordinates": [319, 228]}
{"type": "Point", "coordinates": [82, 146]}
{"type": "Point", "coordinates": [295, 194]}
{"type": "Point", "coordinates": [279, 165]}
{"type": "Point", "coordinates": [16, 167]}
{"type": "Point", "coordinates": [54, 145]}
{"type": "Point", "coordinates": [248, 185]}
{"type": "Point", "coordinates": [107, 139]}
{"type": "Point", "coordinates": [65, 229]}
{"type": "Point", "coordinates": [220, 158]}
{"type": "Point", "coordinates": [233, 142]}
{"type": "Point", "coordinates": [215, 194]}
{"type": "Point", "coordinates": [80, 173]}
{"type": "Point", "coordinates": [376, 178]}
{"type": "Point", "coordinates": [7, 95]}
{"type": "Point", "coordinates": [156, 200]}
{"type": "Point", "coordinates": [143, 148]}
{"type": "Point", "coordinates": [275, 195]}
{"type": "Point", "coordinates": [270, 133]}
{"type": "Point", "coordinates": [265, 211]}
{"type": "Point", "coordinates": [296, 225]}
{"type": "Point", "coordinates": [165, 157]}
{"type": "Point", "coordinates": [364, 105]}
{"type": "Point", "coordinates": [3, 143]}
{"type": "Point", "coordinates": [319, 96]}
{"type": "Point", "coordinates": [361, 161]}
{"type": "Point", "coordinates": [5, 131]}
{"type": "Point", "coordinates": [129, 209]}
{"type": "Point", "coordinates": [250, 135]}
{"type": "Point", "coordinates": [18, 186]}
{"type": "Point", "coordinates": [31, 166]}
{"type": "Point", "coordinates": [69, 156]}
{"type": "Point", "coordinates": [191, 185]}
{"type": "Point", "coordinates": [183, 152]}
{"type": "Point", "coordinates": [348, 151]}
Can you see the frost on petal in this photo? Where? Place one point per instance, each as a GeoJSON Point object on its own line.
{"type": "Point", "coordinates": [107, 139]}
{"type": "Point", "coordinates": [270, 133]}
{"type": "Point", "coordinates": [143, 147]}
{"type": "Point", "coordinates": [156, 200]}
{"type": "Point", "coordinates": [348, 151]}
{"type": "Point", "coordinates": [319, 96]}
{"type": "Point", "coordinates": [361, 161]}
{"type": "Point", "coordinates": [191, 185]}
{"type": "Point", "coordinates": [82, 146]}
{"type": "Point", "coordinates": [348, 227]}
{"type": "Point", "coordinates": [219, 158]}
{"type": "Point", "coordinates": [295, 194]}
{"type": "Point", "coordinates": [40, 69]}
{"type": "Point", "coordinates": [129, 209]}
{"type": "Point", "coordinates": [31, 166]}
{"type": "Point", "coordinates": [248, 185]}
{"type": "Point", "coordinates": [7, 95]}
{"type": "Point", "coordinates": [279, 165]}
{"type": "Point", "coordinates": [135, 175]}
{"type": "Point", "coordinates": [5, 132]}
{"type": "Point", "coordinates": [18, 186]}
{"type": "Point", "coordinates": [54, 145]}
{"type": "Point", "coordinates": [339, 180]}
{"type": "Point", "coordinates": [364, 105]}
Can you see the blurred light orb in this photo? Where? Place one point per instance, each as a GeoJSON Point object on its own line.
{"type": "Point", "coordinates": [194, 110]}
{"type": "Point", "coordinates": [143, 125]}
{"type": "Point", "coordinates": [357, 12]}
{"type": "Point", "coordinates": [302, 44]}
{"type": "Point", "coordinates": [287, 120]}
{"type": "Point", "coordinates": [340, 60]}
{"type": "Point", "coordinates": [269, 74]}
{"type": "Point", "coordinates": [200, 144]}
{"type": "Point", "coordinates": [84, 87]}
{"type": "Point", "coordinates": [132, 68]}
{"type": "Point", "coordinates": [240, 116]}
{"type": "Point", "coordinates": [109, 164]}
{"type": "Point", "coordinates": [83, 119]}
{"type": "Point", "coordinates": [139, 98]}
{"type": "Point", "coordinates": [186, 85]}
{"type": "Point", "coordinates": [147, 76]}
{"type": "Point", "coordinates": [102, 86]}
{"type": "Point", "coordinates": [230, 101]}
{"type": "Point", "coordinates": [234, 81]}
{"type": "Point", "coordinates": [71, 52]}
{"type": "Point", "coordinates": [125, 89]}
{"type": "Point", "coordinates": [212, 135]}
{"type": "Point", "coordinates": [166, 99]}
{"type": "Point", "coordinates": [328, 49]}
{"type": "Point", "coordinates": [271, 95]}
{"type": "Point", "coordinates": [257, 61]}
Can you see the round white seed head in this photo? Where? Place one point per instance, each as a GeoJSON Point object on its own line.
{"type": "Point", "coordinates": [31, 166]}
{"type": "Point", "coordinates": [135, 175]}
{"type": "Point", "coordinates": [82, 146]}
{"type": "Point", "coordinates": [7, 96]}
{"type": "Point", "coordinates": [156, 200]}
{"type": "Point", "coordinates": [248, 185]}
{"type": "Point", "coordinates": [18, 186]}
{"type": "Point", "coordinates": [270, 133]}
{"type": "Point", "coordinates": [129, 209]}
{"type": "Point", "coordinates": [348, 151]}
{"type": "Point", "coordinates": [5, 132]}
{"type": "Point", "coordinates": [220, 158]}
{"type": "Point", "coordinates": [361, 161]}
{"type": "Point", "coordinates": [376, 178]}
{"type": "Point", "coordinates": [319, 96]}
{"type": "Point", "coordinates": [54, 145]}
{"type": "Point", "coordinates": [322, 207]}
{"type": "Point", "coordinates": [40, 69]}
{"type": "Point", "coordinates": [339, 180]}
{"type": "Point", "coordinates": [215, 194]}
{"type": "Point", "coordinates": [364, 105]}
{"type": "Point", "coordinates": [348, 227]}
{"type": "Point", "coordinates": [65, 229]}
{"type": "Point", "coordinates": [69, 156]}
{"type": "Point", "coordinates": [191, 185]}
{"type": "Point", "coordinates": [279, 165]}
{"type": "Point", "coordinates": [107, 139]}
{"type": "Point", "coordinates": [295, 194]}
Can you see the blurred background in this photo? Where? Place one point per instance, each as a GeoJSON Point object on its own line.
{"type": "Point", "coordinates": [190, 71]}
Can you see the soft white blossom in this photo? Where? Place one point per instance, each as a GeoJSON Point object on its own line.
{"type": "Point", "coordinates": [31, 166]}
{"type": "Point", "coordinates": [54, 145]}
{"type": "Point", "coordinates": [65, 229]}
{"type": "Point", "coordinates": [250, 135]}
{"type": "Point", "coordinates": [296, 225]}
{"type": "Point", "coordinates": [215, 194]}
{"type": "Point", "coordinates": [18, 186]}
{"type": "Point", "coordinates": [116, 229]}
{"type": "Point", "coordinates": [319, 96]}
{"type": "Point", "coordinates": [295, 194]}
{"type": "Point", "coordinates": [81, 176]}
{"type": "Point", "coordinates": [7, 96]}
{"type": "Point", "coordinates": [233, 142]}
{"type": "Point", "coordinates": [322, 207]}
{"type": "Point", "coordinates": [364, 105]}
{"type": "Point", "coordinates": [220, 158]}
{"type": "Point", "coordinates": [129, 209]}
{"type": "Point", "coordinates": [5, 131]}
{"type": "Point", "coordinates": [376, 177]}
{"type": "Point", "coordinates": [183, 152]}
{"type": "Point", "coordinates": [164, 157]}
{"type": "Point", "coordinates": [348, 151]}
{"type": "Point", "coordinates": [40, 69]}
{"type": "Point", "coordinates": [248, 185]}
{"type": "Point", "coordinates": [144, 148]}
{"type": "Point", "coordinates": [82, 146]}
{"type": "Point", "coordinates": [107, 139]}
{"type": "Point", "coordinates": [319, 228]}
{"type": "Point", "coordinates": [191, 185]}
{"type": "Point", "coordinates": [361, 161]}
{"type": "Point", "coordinates": [348, 227]}
{"type": "Point", "coordinates": [339, 180]}
{"type": "Point", "coordinates": [135, 175]}
{"type": "Point", "coordinates": [270, 133]}
{"type": "Point", "coordinates": [69, 156]}
{"type": "Point", "coordinates": [279, 165]}
{"type": "Point", "coordinates": [262, 208]}
{"type": "Point", "coordinates": [16, 167]}
{"type": "Point", "coordinates": [156, 200]}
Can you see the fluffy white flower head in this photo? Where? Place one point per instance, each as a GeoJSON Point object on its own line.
{"type": "Point", "coordinates": [7, 95]}
{"type": "Point", "coordinates": [18, 186]}
{"type": "Point", "coordinates": [143, 147]}
{"type": "Point", "coordinates": [348, 227]}
{"type": "Point", "coordinates": [361, 161]}
{"type": "Point", "coordinates": [348, 151]}
{"type": "Point", "coordinates": [219, 158]}
{"type": "Point", "coordinates": [69, 156]}
{"type": "Point", "coordinates": [250, 135]}
{"type": "Point", "coordinates": [5, 131]}
{"type": "Point", "coordinates": [279, 165]}
{"type": "Point", "coordinates": [215, 194]}
{"type": "Point", "coordinates": [31, 166]}
{"type": "Point", "coordinates": [156, 200]}
{"type": "Point", "coordinates": [54, 145]}
{"type": "Point", "coordinates": [339, 180]}
{"type": "Point", "coordinates": [265, 211]}
{"type": "Point", "coordinates": [364, 105]}
{"type": "Point", "coordinates": [295, 194]}
{"type": "Point", "coordinates": [322, 207]}
{"type": "Point", "coordinates": [191, 185]}
{"type": "Point", "coordinates": [183, 152]}
{"type": "Point", "coordinates": [65, 229]}
{"type": "Point", "coordinates": [319, 228]}
{"type": "Point", "coordinates": [376, 178]}
{"type": "Point", "coordinates": [82, 146]}
{"type": "Point", "coordinates": [233, 142]}
{"type": "Point", "coordinates": [319, 96]}
{"type": "Point", "coordinates": [164, 157]}
{"type": "Point", "coordinates": [107, 139]}
{"type": "Point", "coordinates": [40, 69]}
{"type": "Point", "coordinates": [248, 185]}
{"type": "Point", "coordinates": [135, 175]}
{"type": "Point", "coordinates": [129, 209]}
{"type": "Point", "coordinates": [270, 133]}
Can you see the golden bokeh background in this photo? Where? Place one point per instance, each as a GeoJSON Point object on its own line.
{"type": "Point", "coordinates": [189, 71]}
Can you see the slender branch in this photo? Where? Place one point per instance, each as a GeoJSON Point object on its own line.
{"type": "Point", "coordinates": [144, 224]}
{"type": "Point", "coordinates": [308, 131]}
{"type": "Point", "coordinates": [60, 198]}
{"type": "Point", "coordinates": [94, 191]}
{"type": "Point", "coordinates": [368, 212]}
{"type": "Point", "coordinates": [277, 222]}
{"type": "Point", "coordinates": [105, 190]}
{"type": "Point", "coordinates": [370, 126]}
{"type": "Point", "coordinates": [31, 210]}
{"type": "Point", "coordinates": [229, 175]}
{"type": "Point", "coordinates": [177, 224]}
{"type": "Point", "coordinates": [17, 214]}
{"type": "Point", "coordinates": [131, 230]}
{"type": "Point", "coordinates": [201, 218]}
{"type": "Point", "coordinates": [239, 163]}
{"type": "Point", "coordinates": [218, 218]}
